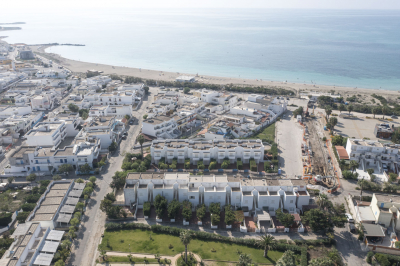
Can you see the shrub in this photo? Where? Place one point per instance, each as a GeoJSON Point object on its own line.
{"type": "Point", "coordinates": [22, 216]}
{"type": "Point", "coordinates": [369, 256]}
{"type": "Point", "coordinates": [28, 207]}
{"type": "Point", "coordinates": [5, 218]}
{"type": "Point", "coordinates": [215, 219]}
{"type": "Point", "coordinates": [146, 208]}
{"type": "Point", "coordinates": [215, 208]}
{"type": "Point", "coordinates": [33, 198]}
{"type": "Point", "coordinates": [253, 165]}
{"type": "Point", "coordinates": [187, 210]}
{"type": "Point", "coordinates": [230, 216]}
{"type": "Point", "coordinates": [201, 211]}
{"type": "Point", "coordinates": [173, 209]}
{"type": "Point", "coordinates": [239, 164]}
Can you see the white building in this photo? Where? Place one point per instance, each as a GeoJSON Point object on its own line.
{"type": "Point", "coordinates": [161, 126]}
{"type": "Point", "coordinates": [250, 194]}
{"type": "Point", "coordinates": [50, 73]}
{"type": "Point", "coordinates": [43, 102]}
{"type": "Point", "coordinates": [372, 154]}
{"type": "Point", "coordinates": [7, 111]}
{"type": "Point", "coordinates": [119, 111]}
{"type": "Point", "coordinates": [46, 134]}
{"type": "Point", "coordinates": [185, 79]}
{"type": "Point", "coordinates": [207, 150]}
{"type": "Point", "coordinates": [109, 98]}
{"type": "Point", "coordinates": [98, 80]}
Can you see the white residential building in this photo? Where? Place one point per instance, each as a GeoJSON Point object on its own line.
{"type": "Point", "coordinates": [247, 193]}
{"type": "Point", "coordinates": [38, 159]}
{"type": "Point", "coordinates": [136, 88]}
{"type": "Point", "coordinates": [373, 154]}
{"type": "Point", "coordinates": [7, 111]}
{"type": "Point", "coordinates": [50, 73]}
{"type": "Point", "coordinates": [109, 98]}
{"type": "Point", "coordinates": [207, 150]}
{"type": "Point", "coordinates": [118, 111]}
{"type": "Point", "coordinates": [43, 102]}
{"type": "Point", "coordinates": [98, 80]}
{"type": "Point", "coordinates": [47, 134]}
{"type": "Point", "coordinates": [161, 126]}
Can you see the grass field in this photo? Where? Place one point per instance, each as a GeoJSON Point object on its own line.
{"type": "Point", "coordinates": [267, 133]}
{"type": "Point", "coordinates": [160, 243]}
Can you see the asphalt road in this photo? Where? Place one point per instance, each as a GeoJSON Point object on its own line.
{"type": "Point", "coordinates": [85, 246]}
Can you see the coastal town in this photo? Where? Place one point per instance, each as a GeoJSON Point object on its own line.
{"type": "Point", "coordinates": [99, 168]}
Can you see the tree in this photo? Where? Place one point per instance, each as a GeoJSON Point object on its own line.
{"type": "Point", "coordinates": [87, 191]}
{"type": "Point", "coordinates": [370, 171]}
{"type": "Point", "coordinates": [73, 108]}
{"type": "Point", "coordinates": [141, 140]}
{"type": "Point", "coordinates": [31, 178]}
{"type": "Point", "coordinates": [342, 164]}
{"type": "Point", "coordinates": [288, 259]}
{"type": "Point", "coordinates": [93, 180]}
{"type": "Point", "coordinates": [323, 202]}
{"type": "Point", "coordinates": [10, 179]}
{"type": "Point", "coordinates": [160, 203]}
{"type": "Point", "coordinates": [327, 218]}
{"type": "Point", "coordinates": [22, 216]}
{"type": "Point", "coordinates": [85, 169]}
{"type": "Point", "coordinates": [185, 237]}
{"type": "Point", "coordinates": [328, 111]}
{"type": "Point", "coordinates": [72, 234]}
{"type": "Point", "coordinates": [187, 210]}
{"type": "Point", "coordinates": [285, 218]}
{"type": "Point", "coordinates": [392, 177]}
{"type": "Point", "coordinates": [56, 177]}
{"type": "Point", "coordinates": [102, 253]}
{"type": "Point", "coordinates": [74, 222]}
{"type": "Point", "coordinates": [244, 260]}
{"type": "Point", "coordinates": [321, 262]}
{"type": "Point", "coordinates": [146, 90]}
{"type": "Point", "coordinates": [353, 165]}
{"type": "Point", "coordinates": [79, 181]}
{"type": "Point", "coordinates": [118, 180]}
{"type": "Point", "coordinates": [113, 146]}
{"type": "Point", "coordinates": [186, 90]}
{"type": "Point", "coordinates": [350, 108]}
{"type": "Point", "coordinates": [212, 165]}
{"type": "Point", "coordinates": [374, 111]}
{"type": "Point", "coordinates": [65, 168]}
{"type": "Point", "coordinates": [80, 206]}
{"type": "Point", "coordinates": [201, 211]}
{"type": "Point", "coordinates": [145, 116]}
{"type": "Point", "coordinates": [385, 110]}
{"type": "Point", "coordinates": [59, 263]}
{"type": "Point", "coordinates": [127, 117]}
{"type": "Point", "coordinates": [333, 121]}
{"type": "Point", "coordinates": [341, 108]}
{"type": "Point", "coordinates": [28, 207]}
{"type": "Point", "coordinates": [173, 208]}
{"type": "Point", "coordinates": [267, 242]}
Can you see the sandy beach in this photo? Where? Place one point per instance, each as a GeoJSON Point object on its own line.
{"type": "Point", "coordinates": [79, 66]}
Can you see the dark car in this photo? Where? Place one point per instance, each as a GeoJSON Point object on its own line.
{"type": "Point", "coordinates": [131, 122]}
{"type": "Point", "coordinates": [352, 228]}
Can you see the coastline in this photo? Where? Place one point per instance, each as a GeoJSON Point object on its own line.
{"type": "Point", "coordinates": [80, 66]}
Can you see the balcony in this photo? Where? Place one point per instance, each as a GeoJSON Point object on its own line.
{"type": "Point", "coordinates": [221, 155]}
{"type": "Point", "coordinates": [232, 155]}
{"type": "Point", "coordinates": [246, 155]}
{"type": "Point", "coordinates": [157, 155]}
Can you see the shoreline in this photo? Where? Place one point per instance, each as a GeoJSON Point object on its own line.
{"type": "Point", "coordinates": [82, 67]}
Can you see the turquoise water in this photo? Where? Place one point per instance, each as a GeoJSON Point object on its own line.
{"type": "Point", "coordinates": [344, 48]}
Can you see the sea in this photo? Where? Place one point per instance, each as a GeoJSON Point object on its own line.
{"type": "Point", "coordinates": [354, 48]}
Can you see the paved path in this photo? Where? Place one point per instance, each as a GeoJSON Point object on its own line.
{"type": "Point", "coordinates": [84, 251]}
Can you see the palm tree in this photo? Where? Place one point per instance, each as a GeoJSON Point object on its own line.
{"type": "Point", "coordinates": [244, 260]}
{"type": "Point", "coordinates": [185, 237]}
{"type": "Point", "coordinates": [385, 110]}
{"type": "Point", "coordinates": [361, 183]}
{"type": "Point", "coordinates": [141, 139]}
{"type": "Point", "coordinates": [350, 108]}
{"type": "Point", "coordinates": [267, 242]}
{"type": "Point", "coordinates": [353, 165]}
{"type": "Point", "coordinates": [342, 163]}
{"type": "Point", "coordinates": [342, 107]}
{"type": "Point", "coordinates": [333, 121]}
{"type": "Point", "coordinates": [328, 111]}
{"type": "Point", "coordinates": [374, 111]}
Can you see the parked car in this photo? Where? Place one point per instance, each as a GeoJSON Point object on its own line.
{"type": "Point", "coordinates": [352, 228]}
{"type": "Point", "coordinates": [393, 116]}
{"type": "Point", "coordinates": [349, 218]}
{"type": "Point", "coordinates": [131, 122]}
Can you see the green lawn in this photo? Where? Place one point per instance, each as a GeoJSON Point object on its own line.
{"type": "Point", "coordinates": [267, 133]}
{"type": "Point", "coordinates": [141, 243]}
{"type": "Point", "coordinates": [119, 259]}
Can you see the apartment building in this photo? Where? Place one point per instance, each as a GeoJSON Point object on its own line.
{"type": "Point", "coordinates": [34, 159]}
{"type": "Point", "coordinates": [207, 150]}
{"type": "Point", "coordinates": [161, 126]}
{"type": "Point", "coordinates": [227, 101]}
{"type": "Point", "coordinates": [137, 89]}
{"type": "Point", "coordinates": [118, 111]}
{"type": "Point", "coordinates": [50, 73]}
{"type": "Point", "coordinates": [109, 98]}
{"type": "Point", "coordinates": [47, 134]}
{"type": "Point", "coordinates": [43, 102]}
{"type": "Point", "coordinates": [373, 154]}
{"type": "Point", "coordinates": [98, 81]}
{"type": "Point", "coordinates": [253, 194]}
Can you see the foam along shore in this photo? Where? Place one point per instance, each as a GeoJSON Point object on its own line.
{"type": "Point", "coordinates": [79, 66]}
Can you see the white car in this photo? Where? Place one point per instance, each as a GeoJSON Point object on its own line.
{"type": "Point", "coordinates": [349, 218]}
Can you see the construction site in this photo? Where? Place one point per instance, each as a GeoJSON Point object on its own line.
{"type": "Point", "coordinates": [316, 157]}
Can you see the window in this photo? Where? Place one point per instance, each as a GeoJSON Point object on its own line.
{"type": "Point", "coordinates": [85, 159]}
{"type": "Point", "coordinates": [65, 160]}
{"type": "Point", "coordinates": [37, 161]}
{"type": "Point", "coordinates": [61, 160]}
{"type": "Point", "coordinates": [48, 161]}
{"type": "Point", "coordinates": [192, 197]}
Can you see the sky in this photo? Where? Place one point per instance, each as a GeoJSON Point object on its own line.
{"type": "Point", "coordinates": [308, 4]}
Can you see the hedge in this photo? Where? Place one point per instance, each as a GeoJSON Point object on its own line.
{"type": "Point", "coordinates": [239, 164]}
{"type": "Point", "coordinates": [224, 239]}
{"type": "Point", "coordinates": [5, 218]}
